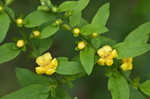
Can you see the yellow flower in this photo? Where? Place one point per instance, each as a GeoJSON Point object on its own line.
{"type": "Point", "coordinates": [47, 65]}
{"type": "Point", "coordinates": [19, 21]}
{"type": "Point", "coordinates": [76, 32]}
{"type": "Point", "coordinates": [36, 33]}
{"type": "Point", "coordinates": [106, 54]}
{"type": "Point", "coordinates": [127, 64]}
{"type": "Point", "coordinates": [20, 43]}
{"type": "Point", "coordinates": [94, 35]}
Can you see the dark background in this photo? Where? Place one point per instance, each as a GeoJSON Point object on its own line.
{"type": "Point", "coordinates": [125, 16]}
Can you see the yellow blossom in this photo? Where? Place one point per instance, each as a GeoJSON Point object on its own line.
{"type": "Point", "coordinates": [20, 43]}
{"type": "Point", "coordinates": [106, 54]}
{"type": "Point", "coordinates": [127, 64]}
{"type": "Point", "coordinates": [36, 33]}
{"type": "Point", "coordinates": [81, 45]}
{"type": "Point", "coordinates": [47, 65]}
{"type": "Point", "coordinates": [76, 32]}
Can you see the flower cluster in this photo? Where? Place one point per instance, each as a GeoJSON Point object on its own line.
{"type": "Point", "coordinates": [47, 65]}
{"type": "Point", "coordinates": [106, 54]}
{"type": "Point", "coordinates": [127, 64]}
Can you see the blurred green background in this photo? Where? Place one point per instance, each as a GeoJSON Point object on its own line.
{"type": "Point", "coordinates": [125, 16]}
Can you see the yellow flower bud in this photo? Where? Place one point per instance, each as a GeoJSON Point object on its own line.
{"type": "Point", "coordinates": [50, 71]}
{"type": "Point", "coordinates": [40, 70]}
{"type": "Point", "coordinates": [1, 8]}
{"type": "Point", "coordinates": [19, 21]}
{"type": "Point", "coordinates": [101, 61]}
{"type": "Point", "coordinates": [94, 35]}
{"type": "Point", "coordinates": [81, 45]}
{"type": "Point", "coordinates": [109, 62]}
{"type": "Point", "coordinates": [58, 22]}
{"type": "Point", "coordinates": [36, 33]}
{"type": "Point", "coordinates": [76, 32]}
{"type": "Point", "coordinates": [114, 54]}
{"type": "Point", "coordinates": [20, 43]}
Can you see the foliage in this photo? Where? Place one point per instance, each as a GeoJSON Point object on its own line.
{"type": "Point", "coordinates": [48, 20]}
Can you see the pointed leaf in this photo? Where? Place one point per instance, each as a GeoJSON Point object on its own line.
{"type": "Point", "coordinates": [48, 31]}
{"type": "Point", "coordinates": [119, 87]}
{"type": "Point", "coordinates": [102, 15]}
{"type": "Point", "coordinates": [30, 92]}
{"type": "Point", "coordinates": [37, 18]}
{"type": "Point", "coordinates": [26, 78]}
{"type": "Point", "coordinates": [87, 59]}
{"type": "Point", "coordinates": [4, 25]}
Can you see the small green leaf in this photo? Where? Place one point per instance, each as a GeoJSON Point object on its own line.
{"type": "Point", "coordinates": [48, 31]}
{"type": "Point", "coordinates": [145, 87]}
{"type": "Point", "coordinates": [37, 18]}
{"type": "Point", "coordinates": [101, 41]}
{"type": "Point", "coordinates": [4, 25]}
{"type": "Point", "coordinates": [30, 92]}
{"type": "Point", "coordinates": [87, 59]}
{"type": "Point", "coordinates": [67, 6]}
{"type": "Point", "coordinates": [26, 77]}
{"type": "Point", "coordinates": [66, 67]}
{"type": "Point", "coordinates": [135, 43]}
{"type": "Point", "coordinates": [102, 15]}
{"type": "Point", "coordinates": [119, 87]}
{"type": "Point", "coordinates": [41, 45]}
{"type": "Point", "coordinates": [91, 28]}
{"type": "Point", "coordinates": [8, 52]}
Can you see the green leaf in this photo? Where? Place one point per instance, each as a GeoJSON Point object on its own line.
{"type": "Point", "coordinates": [145, 87]}
{"type": "Point", "coordinates": [4, 25]}
{"type": "Point", "coordinates": [66, 67]}
{"type": "Point", "coordinates": [135, 94]}
{"type": "Point", "coordinates": [119, 87]}
{"type": "Point", "coordinates": [37, 18]}
{"type": "Point", "coordinates": [133, 49]}
{"type": "Point", "coordinates": [102, 15]}
{"type": "Point", "coordinates": [60, 94]}
{"type": "Point", "coordinates": [41, 45]}
{"type": "Point", "coordinates": [30, 92]}
{"type": "Point", "coordinates": [101, 41]}
{"type": "Point", "coordinates": [135, 43]}
{"type": "Point", "coordinates": [48, 31]}
{"type": "Point", "coordinates": [67, 6]}
{"type": "Point", "coordinates": [91, 28]}
{"type": "Point", "coordinates": [87, 59]}
{"type": "Point", "coordinates": [26, 78]}
{"type": "Point", "coordinates": [75, 18]}
{"type": "Point", "coordinates": [8, 52]}
{"type": "Point", "coordinates": [82, 4]}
